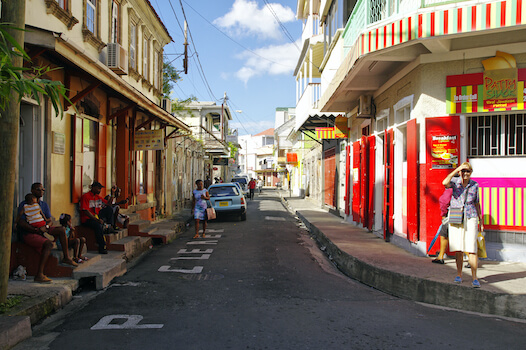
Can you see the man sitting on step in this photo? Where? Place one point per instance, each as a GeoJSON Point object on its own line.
{"type": "Point", "coordinates": [90, 207]}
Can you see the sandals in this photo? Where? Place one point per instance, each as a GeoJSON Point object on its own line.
{"type": "Point", "coordinates": [70, 262]}
{"type": "Point", "coordinates": [196, 235]}
{"type": "Point", "coordinates": [43, 279]}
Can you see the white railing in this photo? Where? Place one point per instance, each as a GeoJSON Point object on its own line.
{"type": "Point", "coordinates": [310, 96]}
{"type": "Point", "coordinates": [311, 27]}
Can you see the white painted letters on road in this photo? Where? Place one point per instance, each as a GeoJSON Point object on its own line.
{"type": "Point", "coordinates": [132, 322]}
{"type": "Point", "coordinates": [195, 251]}
{"type": "Point", "coordinates": [167, 268]}
{"type": "Point", "coordinates": [202, 257]}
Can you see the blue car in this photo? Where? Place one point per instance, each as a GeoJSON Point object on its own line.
{"type": "Point", "coordinates": [227, 198]}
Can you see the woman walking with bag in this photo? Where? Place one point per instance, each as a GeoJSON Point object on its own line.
{"type": "Point", "coordinates": [465, 217]}
{"type": "Point", "coordinates": [199, 198]}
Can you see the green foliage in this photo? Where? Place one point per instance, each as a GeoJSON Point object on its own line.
{"type": "Point", "coordinates": [233, 150]}
{"type": "Point", "coordinates": [170, 77]}
{"type": "Point", "coordinates": [25, 81]}
{"type": "Point", "coordinates": [11, 302]}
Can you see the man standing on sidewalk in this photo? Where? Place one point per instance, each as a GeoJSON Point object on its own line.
{"type": "Point", "coordinates": [252, 187]}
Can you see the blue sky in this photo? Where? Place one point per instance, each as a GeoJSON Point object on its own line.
{"type": "Point", "coordinates": [254, 67]}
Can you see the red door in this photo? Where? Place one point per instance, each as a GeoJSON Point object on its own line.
{"type": "Point", "coordinates": [364, 182]}
{"type": "Point", "coordinates": [356, 176]}
{"type": "Point", "coordinates": [388, 220]}
{"type": "Point", "coordinates": [330, 175]}
{"type": "Point", "coordinates": [412, 181]}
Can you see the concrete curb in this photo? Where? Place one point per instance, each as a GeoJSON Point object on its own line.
{"type": "Point", "coordinates": [416, 288]}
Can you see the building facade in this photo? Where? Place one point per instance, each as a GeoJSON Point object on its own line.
{"type": "Point", "coordinates": [108, 54]}
{"type": "Point", "coordinates": [426, 86]}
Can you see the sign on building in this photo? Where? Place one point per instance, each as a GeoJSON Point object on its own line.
{"type": "Point", "coordinates": [149, 140]}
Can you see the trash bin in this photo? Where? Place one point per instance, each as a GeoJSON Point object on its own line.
{"type": "Point", "coordinates": [302, 193]}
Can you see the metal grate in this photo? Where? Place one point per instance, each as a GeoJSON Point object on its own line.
{"type": "Point", "coordinates": [497, 135]}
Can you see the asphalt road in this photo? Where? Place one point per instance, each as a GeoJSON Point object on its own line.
{"type": "Point", "coordinates": [264, 284]}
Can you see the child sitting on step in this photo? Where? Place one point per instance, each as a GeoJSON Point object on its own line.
{"type": "Point", "coordinates": [77, 244]}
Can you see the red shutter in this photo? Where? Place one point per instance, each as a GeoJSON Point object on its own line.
{"type": "Point", "coordinates": [371, 141]}
{"type": "Point", "coordinates": [356, 181]}
{"type": "Point", "coordinates": [101, 157]}
{"type": "Point", "coordinates": [77, 158]}
{"type": "Point", "coordinates": [364, 175]}
{"type": "Point", "coordinates": [412, 180]}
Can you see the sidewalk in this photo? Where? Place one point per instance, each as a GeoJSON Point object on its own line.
{"type": "Point", "coordinates": [40, 300]}
{"type": "Point", "coordinates": [369, 259]}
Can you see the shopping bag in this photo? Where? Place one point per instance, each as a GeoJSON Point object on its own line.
{"type": "Point", "coordinates": [481, 246]}
{"type": "Point", "coordinates": [210, 213]}
{"type": "Point", "coordinates": [456, 215]}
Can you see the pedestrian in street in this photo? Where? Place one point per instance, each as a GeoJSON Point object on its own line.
{"type": "Point", "coordinates": [443, 201]}
{"type": "Point", "coordinates": [199, 198]}
{"type": "Point", "coordinates": [252, 188]}
{"type": "Point", "coordinates": [208, 182]}
{"type": "Point", "coordinates": [463, 237]}
{"type": "Point", "coordinates": [260, 185]}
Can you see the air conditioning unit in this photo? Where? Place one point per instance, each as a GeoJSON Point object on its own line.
{"type": "Point", "coordinates": [365, 107]}
{"type": "Point", "coordinates": [166, 104]}
{"type": "Point", "coordinates": [117, 59]}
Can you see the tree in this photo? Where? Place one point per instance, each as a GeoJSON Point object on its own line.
{"type": "Point", "coordinates": [170, 77]}
{"type": "Point", "coordinates": [15, 82]}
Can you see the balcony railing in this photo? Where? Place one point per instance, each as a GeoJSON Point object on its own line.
{"type": "Point", "coordinates": [311, 27]}
{"type": "Point", "coordinates": [371, 12]}
{"type": "Point", "coordinates": [310, 97]}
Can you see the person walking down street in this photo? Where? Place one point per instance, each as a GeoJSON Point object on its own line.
{"type": "Point", "coordinates": [199, 198]}
{"type": "Point", "coordinates": [463, 237]}
{"type": "Point", "coordinates": [443, 201]}
{"type": "Point", "coordinates": [260, 185]}
{"type": "Point", "coordinates": [90, 206]}
{"type": "Point", "coordinates": [208, 182]}
{"type": "Point", "coordinates": [34, 236]}
{"type": "Point", "coordinates": [252, 187]}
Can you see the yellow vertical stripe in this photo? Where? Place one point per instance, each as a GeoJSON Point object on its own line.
{"type": "Point", "coordinates": [493, 11]}
{"type": "Point", "coordinates": [520, 97]}
{"type": "Point", "coordinates": [510, 207]}
{"type": "Point", "coordinates": [509, 13]}
{"type": "Point", "coordinates": [452, 99]}
{"type": "Point", "coordinates": [469, 105]}
{"type": "Point", "coordinates": [485, 206]}
{"type": "Point", "coordinates": [502, 206]}
{"type": "Point", "coordinates": [494, 206]}
{"type": "Point", "coordinates": [519, 204]}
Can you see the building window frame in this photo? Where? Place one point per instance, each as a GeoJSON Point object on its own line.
{"type": "Point", "coordinates": [146, 58]}
{"type": "Point", "coordinates": [115, 22]}
{"type": "Point", "coordinates": [91, 26]}
{"type": "Point", "coordinates": [496, 135]}
{"type": "Point", "coordinates": [61, 10]}
{"type": "Point", "coordinates": [133, 39]}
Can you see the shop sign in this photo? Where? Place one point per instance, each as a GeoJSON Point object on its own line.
{"type": "Point", "coordinates": [501, 87]}
{"type": "Point", "coordinates": [149, 140]}
{"type": "Point", "coordinates": [340, 130]}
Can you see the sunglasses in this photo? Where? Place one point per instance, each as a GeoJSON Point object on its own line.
{"type": "Point", "coordinates": [465, 171]}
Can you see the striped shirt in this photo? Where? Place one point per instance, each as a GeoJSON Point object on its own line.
{"type": "Point", "coordinates": [33, 216]}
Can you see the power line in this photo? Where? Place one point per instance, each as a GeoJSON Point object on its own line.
{"type": "Point", "coordinates": [197, 54]}
{"type": "Point", "coordinates": [285, 31]}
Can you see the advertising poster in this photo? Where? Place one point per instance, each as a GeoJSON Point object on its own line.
{"type": "Point", "coordinates": [149, 140]}
{"type": "Point", "coordinates": [444, 151]}
{"type": "Point", "coordinates": [500, 88]}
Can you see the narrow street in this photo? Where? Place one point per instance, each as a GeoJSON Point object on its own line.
{"type": "Point", "coordinates": [258, 284]}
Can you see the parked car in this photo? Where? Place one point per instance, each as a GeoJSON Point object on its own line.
{"type": "Point", "coordinates": [243, 182]}
{"type": "Point", "coordinates": [226, 198]}
{"type": "Point", "coordinates": [239, 186]}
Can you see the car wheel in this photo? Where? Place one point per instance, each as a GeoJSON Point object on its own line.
{"type": "Point", "coordinates": [244, 217]}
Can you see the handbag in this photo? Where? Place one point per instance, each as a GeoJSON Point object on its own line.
{"type": "Point", "coordinates": [210, 213]}
{"type": "Point", "coordinates": [456, 214]}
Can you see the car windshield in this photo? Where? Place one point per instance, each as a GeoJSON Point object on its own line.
{"type": "Point", "coordinates": [240, 180]}
{"type": "Point", "coordinates": [223, 191]}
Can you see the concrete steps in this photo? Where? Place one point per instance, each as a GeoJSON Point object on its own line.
{"type": "Point", "coordinates": [103, 271]}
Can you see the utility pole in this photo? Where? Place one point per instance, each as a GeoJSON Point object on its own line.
{"type": "Point", "coordinates": [185, 59]}
{"type": "Point", "coordinates": [222, 117]}
{"type": "Point", "coordinates": [12, 12]}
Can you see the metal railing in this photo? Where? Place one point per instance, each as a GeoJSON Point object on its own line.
{"type": "Point", "coordinates": [310, 97]}
{"type": "Point", "coordinates": [311, 27]}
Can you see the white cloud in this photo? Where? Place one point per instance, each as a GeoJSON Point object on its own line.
{"type": "Point", "coordinates": [247, 18]}
{"type": "Point", "coordinates": [271, 60]}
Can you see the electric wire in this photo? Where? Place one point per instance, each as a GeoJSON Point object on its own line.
{"type": "Point", "coordinates": [283, 28]}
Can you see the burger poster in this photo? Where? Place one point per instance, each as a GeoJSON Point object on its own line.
{"type": "Point", "coordinates": [500, 84]}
